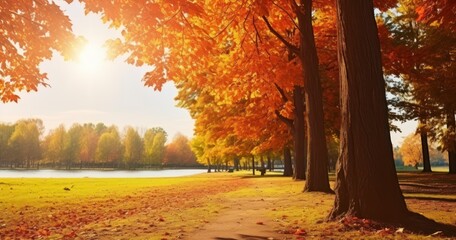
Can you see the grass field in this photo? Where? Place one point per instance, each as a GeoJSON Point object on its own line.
{"type": "Point", "coordinates": [182, 208]}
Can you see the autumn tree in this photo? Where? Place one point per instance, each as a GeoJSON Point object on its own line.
{"type": "Point", "coordinates": [55, 143]}
{"type": "Point", "coordinates": [411, 151]}
{"type": "Point", "coordinates": [25, 142]}
{"type": "Point", "coordinates": [179, 153]}
{"type": "Point", "coordinates": [420, 53]}
{"type": "Point", "coordinates": [73, 145]}
{"type": "Point", "coordinates": [199, 148]}
{"type": "Point", "coordinates": [408, 46]}
{"type": "Point", "coordinates": [305, 50]}
{"type": "Point", "coordinates": [154, 146]}
{"type": "Point", "coordinates": [30, 32]}
{"type": "Point", "coordinates": [133, 147]}
{"type": "Point", "coordinates": [88, 144]}
{"type": "Point", "coordinates": [109, 147]}
{"type": "Point", "coordinates": [366, 180]}
{"type": "Point", "coordinates": [6, 130]}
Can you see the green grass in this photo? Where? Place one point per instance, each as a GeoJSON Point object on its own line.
{"type": "Point", "coordinates": [38, 192]}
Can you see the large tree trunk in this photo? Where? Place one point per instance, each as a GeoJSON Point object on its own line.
{"type": "Point", "coordinates": [287, 165]}
{"type": "Point", "coordinates": [300, 154]}
{"type": "Point", "coordinates": [425, 146]}
{"type": "Point", "coordinates": [317, 153]}
{"type": "Point", "coordinates": [366, 180]}
{"type": "Point", "coordinates": [451, 125]}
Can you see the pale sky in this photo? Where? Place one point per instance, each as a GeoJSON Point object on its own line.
{"type": "Point", "coordinates": [108, 91]}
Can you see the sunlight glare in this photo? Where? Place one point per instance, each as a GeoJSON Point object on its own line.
{"type": "Point", "coordinates": [92, 56]}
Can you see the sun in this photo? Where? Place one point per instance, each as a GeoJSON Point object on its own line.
{"type": "Point", "coordinates": [91, 56]}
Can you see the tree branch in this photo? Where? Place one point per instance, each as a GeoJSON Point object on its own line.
{"type": "Point", "coordinates": [282, 93]}
{"type": "Point", "coordinates": [290, 46]}
{"type": "Point", "coordinates": [287, 121]}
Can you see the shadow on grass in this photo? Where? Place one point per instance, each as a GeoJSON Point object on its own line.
{"type": "Point", "coordinates": [428, 183]}
{"type": "Point", "coordinates": [244, 237]}
{"type": "Point", "coordinates": [430, 198]}
{"type": "Point", "coordinates": [420, 224]}
{"type": "Point", "coordinates": [427, 178]}
{"type": "Point", "coordinates": [251, 237]}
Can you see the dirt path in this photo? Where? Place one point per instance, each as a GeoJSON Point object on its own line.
{"type": "Point", "coordinates": [245, 219]}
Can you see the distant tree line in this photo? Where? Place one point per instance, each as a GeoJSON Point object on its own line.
{"type": "Point", "coordinates": [24, 145]}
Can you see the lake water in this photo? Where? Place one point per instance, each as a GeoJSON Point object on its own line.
{"type": "Point", "coordinates": [99, 174]}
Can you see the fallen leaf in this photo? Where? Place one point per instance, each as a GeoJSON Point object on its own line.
{"type": "Point", "coordinates": [300, 232]}
{"type": "Point", "coordinates": [71, 234]}
{"type": "Point", "coordinates": [385, 231]}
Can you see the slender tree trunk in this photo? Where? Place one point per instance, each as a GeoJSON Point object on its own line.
{"type": "Point", "coordinates": [317, 153]}
{"type": "Point", "coordinates": [425, 146]}
{"type": "Point", "coordinates": [262, 168]}
{"type": "Point", "coordinates": [253, 165]}
{"type": "Point", "coordinates": [300, 153]}
{"type": "Point", "coordinates": [287, 165]}
{"type": "Point", "coordinates": [366, 180]}
{"type": "Point", "coordinates": [208, 165]}
{"type": "Point", "coordinates": [236, 163]}
{"type": "Point", "coordinates": [269, 163]}
{"type": "Point", "coordinates": [451, 125]}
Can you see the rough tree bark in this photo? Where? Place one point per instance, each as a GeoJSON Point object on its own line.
{"type": "Point", "coordinates": [366, 180]}
{"type": "Point", "coordinates": [317, 153]}
{"type": "Point", "coordinates": [287, 165]}
{"type": "Point", "coordinates": [300, 153]}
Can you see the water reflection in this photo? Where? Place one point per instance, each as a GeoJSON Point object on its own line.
{"type": "Point", "coordinates": [98, 174]}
